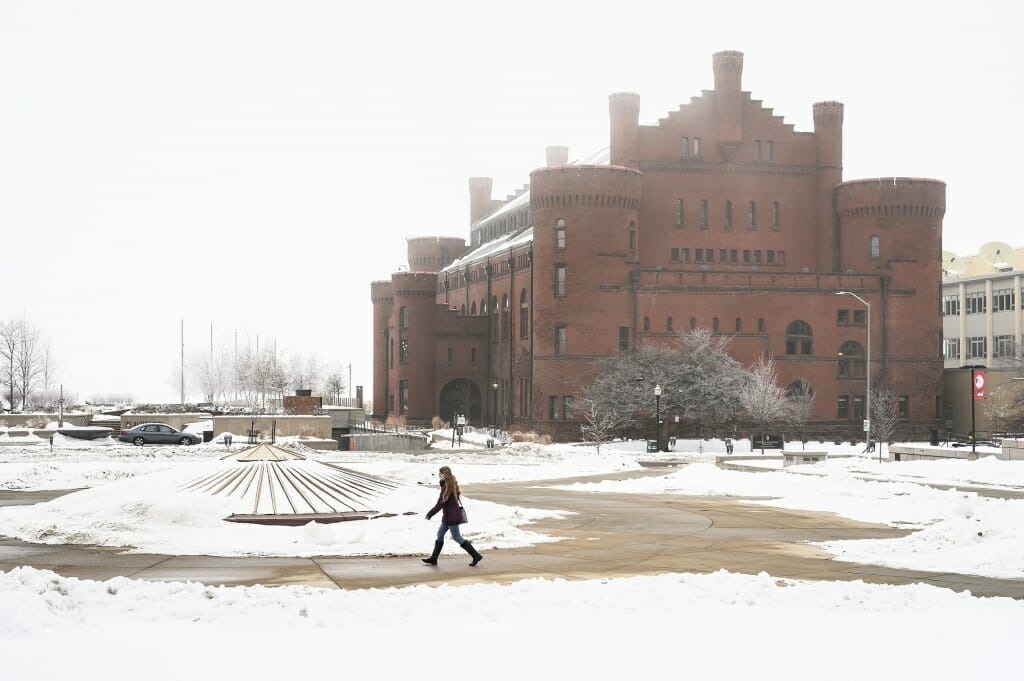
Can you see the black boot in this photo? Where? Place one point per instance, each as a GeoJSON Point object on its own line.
{"type": "Point", "coordinates": [472, 552]}
{"type": "Point", "coordinates": [437, 552]}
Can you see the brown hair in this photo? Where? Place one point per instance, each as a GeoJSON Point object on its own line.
{"type": "Point", "coordinates": [451, 485]}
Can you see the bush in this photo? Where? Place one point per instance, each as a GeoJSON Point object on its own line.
{"type": "Point", "coordinates": [530, 436]}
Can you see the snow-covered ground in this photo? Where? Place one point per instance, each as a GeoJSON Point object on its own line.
{"type": "Point", "coordinates": [720, 625]}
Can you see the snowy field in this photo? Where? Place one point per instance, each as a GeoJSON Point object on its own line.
{"type": "Point", "coordinates": [720, 625]}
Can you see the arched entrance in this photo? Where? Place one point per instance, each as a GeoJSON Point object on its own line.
{"type": "Point", "coordinates": [461, 396]}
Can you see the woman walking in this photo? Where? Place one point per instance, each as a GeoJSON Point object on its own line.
{"type": "Point", "coordinates": [452, 515]}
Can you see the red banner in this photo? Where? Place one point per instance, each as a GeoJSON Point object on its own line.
{"type": "Point", "coordinates": [979, 385]}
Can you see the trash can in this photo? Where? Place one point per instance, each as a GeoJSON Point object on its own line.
{"type": "Point", "coordinates": [652, 445]}
{"type": "Point", "coordinates": [207, 436]}
{"type": "Point", "coordinates": [933, 436]}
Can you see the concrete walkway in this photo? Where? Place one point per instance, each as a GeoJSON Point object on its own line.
{"type": "Point", "coordinates": [607, 535]}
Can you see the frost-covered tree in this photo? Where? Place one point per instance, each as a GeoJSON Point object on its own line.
{"type": "Point", "coordinates": [884, 417]}
{"type": "Point", "coordinates": [763, 399]}
{"type": "Point", "coordinates": [801, 407]}
{"type": "Point", "coordinates": [698, 379]}
{"type": "Point", "coordinates": [599, 423]}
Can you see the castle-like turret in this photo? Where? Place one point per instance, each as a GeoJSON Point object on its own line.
{"type": "Point", "coordinates": [828, 137]}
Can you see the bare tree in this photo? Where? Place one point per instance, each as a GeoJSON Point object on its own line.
{"type": "Point", "coordinates": [884, 417]}
{"type": "Point", "coordinates": [9, 341]}
{"type": "Point", "coordinates": [801, 408]}
{"type": "Point", "coordinates": [1006, 403]}
{"type": "Point", "coordinates": [212, 372]}
{"type": "Point", "coordinates": [599, 423]}
{"type": "Point", "coordinates": [334, 385]}
{"type": "Point", "coordinates": [764, 400]}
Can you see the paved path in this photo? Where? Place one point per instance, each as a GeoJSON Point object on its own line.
{"type": "Point", "coordinates": [607, 535]}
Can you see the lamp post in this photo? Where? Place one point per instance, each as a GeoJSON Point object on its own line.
{"type": "Point", "coordinates": [494, 409]}
{"type": "Point", "coordinates": [867, 371]}
{"type": "Point", "coordinates": [657, 415]}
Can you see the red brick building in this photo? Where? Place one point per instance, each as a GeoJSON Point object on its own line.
{"type": "Point", "coordinates": [721, 216]}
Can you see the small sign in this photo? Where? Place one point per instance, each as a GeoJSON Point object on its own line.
{"type": "Point", "coordinates": [867, 425]}
{"type": "Point", "coordinates": [979, 385]}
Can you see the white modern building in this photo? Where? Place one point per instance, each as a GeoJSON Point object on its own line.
{"type": "Point", "coordinates": [981, 306]}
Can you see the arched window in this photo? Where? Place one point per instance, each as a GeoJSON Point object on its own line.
{"type": "Point", "coordinates": [851, 360]}
{"type": "Point", "coordinates": [714, 324]}
{"type": "Point", "coordinates": [776, 217]}
{"type": "Point", "coordinates": [668, 324]}
{"type": "Point", "coordinates": [472, 309]}
{"type": "Point", "coordinates": [728, 216]}
{"type": "Point", "coordinates": [760, 324]}
{"type": "Point", "coordinates": [647, 323]}
{"type": "Point", "coordinates": [559, 233]}
{"type": "Point", "coordinates": [504, 318]}
{"type": "Point", "coordinates": [753, 215]}
{"type": "Point", "coordinates": [632, 236]}
{"type": "Point", "coordinates": [739, 325]}
{"type": "Point", "coordinates": [524, 315]}
{"type": "Point", "coordinates": [798, 338]}
{"type": "Point", "coordinates": [494, 316]}
{"type": "Point", "coordinates": [403, 318]}
{"type": "Point", "coordinates": [876, 246]}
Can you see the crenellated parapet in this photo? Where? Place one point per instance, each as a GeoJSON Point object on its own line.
{"type": "Point", "coordinates": [892, 197]}
{"type": "Point", "coordinates": [433, 253]}
{"type": "Point", "coordinates": [591, 187]}
{"type": "Point", "coordinates": [382, 292]}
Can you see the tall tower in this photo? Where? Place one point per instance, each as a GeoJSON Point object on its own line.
{"type": "Point", "coordinates": [828, 137]}
{"type": "Point", "coordinates": [728, 68]}
{"type": "Point", "coordinates": [624, 137]}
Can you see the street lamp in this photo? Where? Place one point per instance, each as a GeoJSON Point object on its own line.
{"type": "Point", "coordinates": [494, 409]}
{"type": "Point", "coordinates": [657, 415]}
{"type": "Point", "coordinates": [867, 372]}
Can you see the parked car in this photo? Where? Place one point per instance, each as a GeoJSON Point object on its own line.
{"type": "Point", "coordinates": [158, 434]}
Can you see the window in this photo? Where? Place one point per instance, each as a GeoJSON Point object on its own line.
{"type": "Point", "coordinates": [403, 318]}
{"type": "Point", "coordinates": [951, 348]}
{"type": "Point", "coordinates": [506, 318]}
{"type": "Point", "coordinates": [552, 407]}
{"type": "Point", "coordinates": [723, 255]}
{"type": "Point", "coordinates": [851, 360]}
{"type": "Point", "coordinates": [696, 147]}
{"type": "Point", "coordinates": [632, 237]}
{"type": "Point", "coordinates": [876, 246]}
{"type": "Point", "coordinates": [858, 407]}
{"type": "Point", "coordinates": [858, 317]}
{"type": "Point", "coordinates": [776, 219]}
{"type": "Point", "coordinates": [403, 397]}
{"type": "Point", "coordinates": [451, 356]}
{"type": "Point", "coordinates": [843, 317]}
{"type": "Point", "coordinates": [733, 255]}
{"type": "Point", "coordinates": [567, 407]}
{"type": "Point", "coordinates": [684, 255]}
{"type": "Point", "coordinates": [951, 305]}
{"type": "Point", "coordinates": [679, 213]}
{"type": "Point", "coordinates": [472, 355]}
{"type": "Point", "coordinates": [843, 410]}
{"type": "Point", "coordinates": [1002, 346]}
{"type": "Point", "coordinates": [799, 338]}
{"type": "Point", "coordinates": [524, 315]}
{"type": "Point", "coordinates": [647, 323]}
{"type": "Point", "coordinates": [975, 302]}
{"type": "Point", "coordinates": [709, 255]}
{"type": "Point", "coordinates": [704, 214]}
{"type": "Point", "coordinates": [757, 150]}
{"type": "Point", "coordinates": [560, 234]}
{"type": "Point", "coordinates": [739, 325]}
{"type": "Point", "coordinates": [472, 309]}
{"type": "Point", "coordinates": [769, 257]}
{"type": "Point", "coordinates": [560, 286]}
{"type": "Point", "coordinates": [494, 317]}
{"type": "Point", "coordinates": [728, 216]}
{"type": "Point", "coordinates": [746, 256]}
{"type": "Point", "coordinates": [668, 324]}
{"type": "Point", "coordinates": [757, 257]}
{"type": "Point", "coordinates": [714, 324]}
{"type": "Point", "coordinates": [771, 150]}
{"type": "Point", "coordinates": [623, 339]}
{"type": "Point", "coordinates": [903, 406]}
{"type": "Point", "coordinates": [559, 340]}
{"type": "Point", "coordinates": [1002, 300]}
{"type": "Point", "coordinates": [686, 147]}
{"type": "Point", "coordinates": [693, 323]}
{"type": "Point", "coordinates": [760, 324]}
{"type": "Point", "coordinates": [977, 346]}
{"type": "Point", "coordinates": [698, 255]}
{"type": "Point", "coordinates": [753, 215]}
{"type": "Point", "coordinates": [674, 255]}
{"type": "Point", "coordinates": [403, 350]}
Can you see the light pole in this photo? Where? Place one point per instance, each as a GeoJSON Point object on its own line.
{"type": "Point", "coordinates": [657, 415]}
{"type": "Point", "coordinates": [867, 372]}
{"type": "Point", "coordinates": [494, 409]}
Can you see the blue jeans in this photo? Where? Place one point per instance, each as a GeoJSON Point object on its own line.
{"type": "Point", "coordinates": [456, 535]}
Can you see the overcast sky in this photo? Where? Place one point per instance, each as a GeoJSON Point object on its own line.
{"type": "Point", "coordinates": [254, 165]}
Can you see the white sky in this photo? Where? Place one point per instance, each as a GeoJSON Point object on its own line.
{"type": "Point", "coordinates": [254, 165]}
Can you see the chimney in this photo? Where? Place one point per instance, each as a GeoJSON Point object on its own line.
{"type": "Point", "coordinates": [557, 156]}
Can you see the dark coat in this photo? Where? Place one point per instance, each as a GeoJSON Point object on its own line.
{"type": "Point", "coordinates": [451, 512]}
